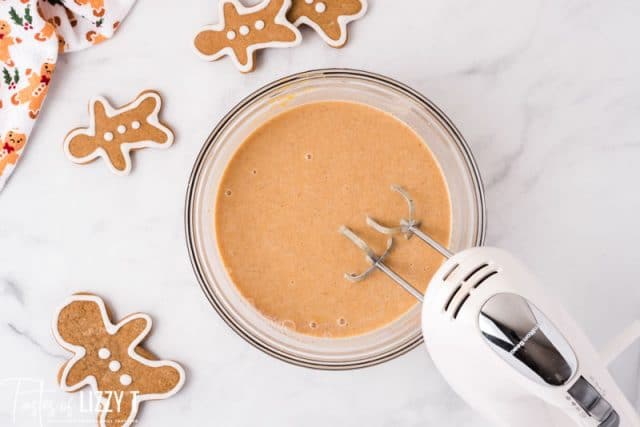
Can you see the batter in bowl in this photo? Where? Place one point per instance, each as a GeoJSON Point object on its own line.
{"type": "Point", "coordinates": [289, 187]}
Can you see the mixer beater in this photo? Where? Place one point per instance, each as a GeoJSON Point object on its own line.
{"type": "Point", "coordinates": [506, 347]}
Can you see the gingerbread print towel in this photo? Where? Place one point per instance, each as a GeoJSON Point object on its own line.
{"type": "Point", "coordinates": [32, 34]}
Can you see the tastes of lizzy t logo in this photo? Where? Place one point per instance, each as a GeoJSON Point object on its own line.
{"type": "Point", "coordinates": [28, 402]}
{"type": "Point", "coordinates": [109, 401]}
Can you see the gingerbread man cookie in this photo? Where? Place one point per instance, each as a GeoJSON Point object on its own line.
{"type": "Point", "coordinates": [329, 18]}
{"type": "Point", "coordinates": [114, 132]}
{"type": "Point", "coordinates": [107, 357]}
{"type": "Point", "coordinates": [244, 30]}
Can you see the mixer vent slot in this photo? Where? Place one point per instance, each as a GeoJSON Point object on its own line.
{"type": "Point", "coordinates": [453, 294]}
{"type": "Point", "coordinates": [480, 273]}
{"type": "Point", "coordinates": [455, 313]}
{"type": "Point", "coordinates": [466, 278]}
{"type": "Point", "coordinates": [474, 271]}
{"type": "Point", "coordinates": [446, 276]}
{"type": "Point", "coordinates": [485, 277]}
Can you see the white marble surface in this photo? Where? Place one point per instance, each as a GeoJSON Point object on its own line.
{"type": "Point", "coordinates": [546, 92]}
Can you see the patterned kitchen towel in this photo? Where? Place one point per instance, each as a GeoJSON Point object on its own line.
{"type": "Point", "coordinates": [32, 33]}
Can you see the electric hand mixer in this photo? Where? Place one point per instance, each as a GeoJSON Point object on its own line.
{"type": "Point", "coordinates": [505, 347]}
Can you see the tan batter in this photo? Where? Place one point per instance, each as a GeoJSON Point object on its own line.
{"type": "Point", "coordinates": [288, 189]}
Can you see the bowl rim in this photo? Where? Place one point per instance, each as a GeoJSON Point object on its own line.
{"type": "Point", "coordinates": [210, 143]}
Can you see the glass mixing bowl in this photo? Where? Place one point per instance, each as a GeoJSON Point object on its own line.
{"type": "Point", "coordinates": [438, 132]}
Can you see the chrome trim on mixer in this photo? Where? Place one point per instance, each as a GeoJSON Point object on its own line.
{"type": "Point", "coordinates": [527, 340]}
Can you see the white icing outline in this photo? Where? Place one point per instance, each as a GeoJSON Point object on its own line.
{"type": "Point", "coordinates": [79, 352]}
{"type": "Point", "coordinates": [126, 147]}
{"type": "Point", "coordinates": [280, 18]}
{"type": "Point", "coordinates": [343, 20]}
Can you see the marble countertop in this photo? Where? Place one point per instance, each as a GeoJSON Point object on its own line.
{"type": "Point", "coordinates": [547, 94]}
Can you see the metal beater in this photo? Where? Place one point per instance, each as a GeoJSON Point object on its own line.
{"type": "Point", "coordinates": [506, 347]}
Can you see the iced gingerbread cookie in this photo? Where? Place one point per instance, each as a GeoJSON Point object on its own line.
{"type": "Point", "coordinates": [114, 132]}
{"type": "Point", "coordinates": [107, 357]}
{"type": "Point", "coordinates": [244, 30]}
{"type": "Point", "coordinates": [329, 18]}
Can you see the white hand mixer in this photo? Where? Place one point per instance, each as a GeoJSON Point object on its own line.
{"type": "Point", "coordinates": [504, 346]}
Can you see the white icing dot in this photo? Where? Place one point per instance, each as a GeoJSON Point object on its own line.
{"type": "Point", "coordinates": [104, 353]}
{"type": "Point", "coordinates": [244, 30]}
{"type": "Point", "coordinates": [259, 24]}
{"type": "Point", "coordinates": [135, 124]}
{"type": "Point", "coordinates": [126, 379]}
{"type": "Point", "coordinates": [320, 7]}
{"type": "Point", "coordinates": [114, 366]}
{"type": "Point", "coordinates": [122, 129]}
{"type": "Point", "coordinates": [231, 35]}
{"type": "Point", "coordinates": [308, 1]}
{"type": "Point", "coordinates": [108, 136]}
